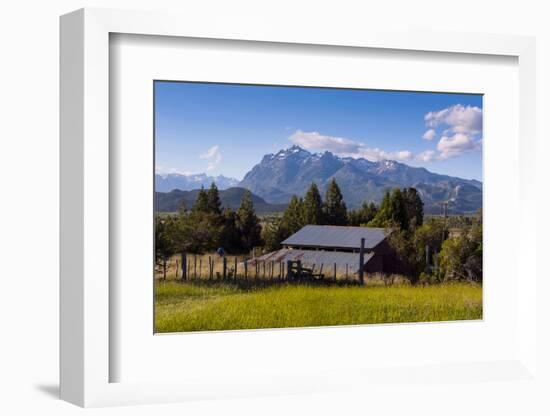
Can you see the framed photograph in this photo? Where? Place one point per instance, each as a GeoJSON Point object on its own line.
{"type": "Point", "coordinates": [269, 212]}
{"type": "Point", "coordinates": [259, 224]}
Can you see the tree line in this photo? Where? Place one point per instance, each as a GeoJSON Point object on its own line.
{"type": "Point", "coordinates": [423, 245]}
{"type": "Point", "coordinates": [399, 208]}
{"type": "Point", "coordinates": [207, 227]}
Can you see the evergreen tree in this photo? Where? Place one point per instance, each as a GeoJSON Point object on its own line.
{"type": "Point", "coordinates": [414, 207]}
{"type": "Point", "coordinates": [293, 218]}
{"type": "Point", "coordinates": [335, 212]}
{"type": "Point", "coordinates": [273, 233]}
{"type": "Point", "coordinates": [165, 244]}
{"type": "Point", "coordinates": [383, 216]}
{"type": "Point", "coordinates": [399, 209]}
{"type": "Point", "coordinates": [313, 206]}
{"type": "Point", "coordinates": [201, 228]}
{"type": "Point", "coordinates": [214, 204]}
{"type": "Point", "coordinates": [248, 223]}
{"type": "Point", "coordinates": [197, 232]}
{"type": "Point", "coordinates": [392, 212]}
{"type": "Point", "coordinates": [201, 203]}
{"type": "Point", "coordinates": [363, 215]}
{"type": "Point", "coordinates": [230, 235]}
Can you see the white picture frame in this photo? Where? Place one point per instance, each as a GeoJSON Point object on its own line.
{"type": "Point", "coordinates": [86, 301]}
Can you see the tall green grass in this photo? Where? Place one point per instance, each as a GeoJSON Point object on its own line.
{"type": "Point", "coordinates": [199, 307]}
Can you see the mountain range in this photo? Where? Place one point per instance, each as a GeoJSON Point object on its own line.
{"type": "Point", "coordinates": [172, 201]}
{"type": "Point", "coordinates": [171, 181]}
{"type": "Point", "coordinates": [291, 171]}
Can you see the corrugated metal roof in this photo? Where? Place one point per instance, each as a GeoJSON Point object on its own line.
{"type": "Point", "coordinates": [336, 236]}
{"type": "Point", "coordinates": [318, 258]}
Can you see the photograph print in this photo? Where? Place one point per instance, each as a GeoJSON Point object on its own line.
{"type": "Point", "coordinates": [288, 206]}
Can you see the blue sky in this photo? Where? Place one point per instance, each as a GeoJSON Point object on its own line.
{"type": "Point", "coordinates": [228, 128]}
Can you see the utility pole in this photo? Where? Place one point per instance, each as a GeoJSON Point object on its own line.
{"type": "Point", "coordinates": [361, 261]}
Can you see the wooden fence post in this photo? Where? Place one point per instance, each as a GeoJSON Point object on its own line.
{"type": "Point", "coordinates": [200, 267]}
{"type": "Point", "coordinates": [235, 271]}
{"type": "Point", "coordinates": [288, 268]}
{"type": "Point", "coordinates": [299, 268]}
{"type": "Point", "coordinates": [335, 272]}
{"type": "Point", "coordinates": [224, 272]}
{"type": "Point", "coordinates": [245, 269]}
{"type": "Point", "coordinates": [195, 266]}
{"type": "Point", "coordinates": [361, 261]}
{"type": "Point", "coordinates": [183, 266]}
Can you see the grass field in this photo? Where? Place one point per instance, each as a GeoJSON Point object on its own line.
{"type": "Point", "coordinates": [204, 306]}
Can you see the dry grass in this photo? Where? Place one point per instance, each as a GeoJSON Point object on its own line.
{"type": "Point", "coordinates": [198, 268]}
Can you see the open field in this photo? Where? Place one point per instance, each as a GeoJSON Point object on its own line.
{"type": "Point", "coordinates": [203, 306]}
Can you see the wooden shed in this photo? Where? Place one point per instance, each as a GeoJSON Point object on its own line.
{"type": "Point", "coordinates": [341, 245]}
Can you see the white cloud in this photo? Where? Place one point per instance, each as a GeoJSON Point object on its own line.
{"type": "Point", "coordinates": [459, 119]}
{"type": "Point", "coordinates": [429, 135]}
{"type": "Point", "coordinates": [213, 156]}
{"type": "Point", "coordinates": [341, 146]}
{"type": "Point", "coordinates": [319, 142]}
{"type": "Point", "coordinates": [376, 154]}
{"type": "Point", "coordinates": [461, 128]}
{"type": "Point", "coordinates": [427, 156]}
{"type": "Point", "coordinates": [404, 155]}
{"type": "Point", "coordinates": [456, 145]}
{"type": "Point", "coordinates": [161, 170]}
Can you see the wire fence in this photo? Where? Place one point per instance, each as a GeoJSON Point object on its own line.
{"type": "Point", "coordinates": [214, 267]}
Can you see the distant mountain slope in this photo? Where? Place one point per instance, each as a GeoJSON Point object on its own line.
{"type": "Point", "coordinates": [172, 201]}
{"type": "Point", "coordinates": [278, 176]}
{"type": "Point", "coordinates": [171, 181]}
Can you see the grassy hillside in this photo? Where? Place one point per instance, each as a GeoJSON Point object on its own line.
{"type": "Point", "coordinates": [231, 197]}
{"type": "Point", "coordinates": [223, 306]}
